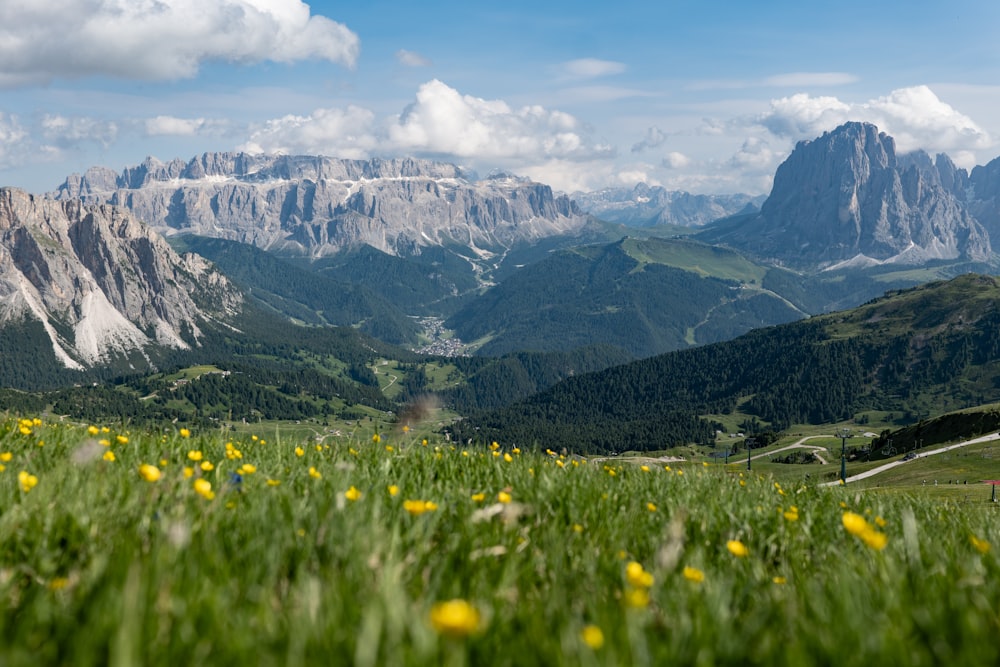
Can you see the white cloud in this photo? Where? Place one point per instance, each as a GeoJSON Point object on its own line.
{"type": "Point", "coordinates": [13, 139]}
{"type": "Point", "coordinates": [346, 133]}
{"type": "Point", "coordinates": [755, 155]}
{"type": "Point", "coordinates": [654, 137]}
{"type": "Point", "coordinates": [44, 40]}
{"type": "Point", "coordinates": [589, 68]}
{"type": "Point", "coordinates": [172, 126]}
{"type": "Point", "coordinates": [914, 117]}
{"type": "Point", "coordinates": [443, 121]}
{"type": "Point", "coordinates": [412, 59]}
{"type": "Point", "coordinates": [64, 131]}
{"type": "Point", "coordinates": [675, 160]}
{"type": "Point", "coordinates": [807, 79]}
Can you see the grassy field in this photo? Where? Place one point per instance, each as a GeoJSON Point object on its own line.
{"type": "Point", "coordinates": [171, 547]}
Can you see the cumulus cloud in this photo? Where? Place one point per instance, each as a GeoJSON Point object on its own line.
{"type": "Point", "coordinates": [654, 137]}
{"type": "Point", "coordinates": [347, 133]}
{"type": "Point", "coordinates": [589, 68]}
{"type": "Point", "coordinates": [675, 160]}
{"type": "Point", "coordinates": [914, 116]}
{"type": "Point", "coordinates": [172, 126]}
{"type": "Point", "coordinates": [65, 132]}
{"type": "Point", "coordinates": [443, 121]}
{"type": "Point", "coordinates": [756, 155]}
{"type": "Point", "coordinates": [44, 40]}
{"type": "Point", "coordinates": [412, 59]}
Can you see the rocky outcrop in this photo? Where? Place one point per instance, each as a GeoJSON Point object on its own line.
{"type": "Point", "coordinates": [846, 197]}
{"type": "Point", "coordinates": [647, 206]}
{"type": "Point", "coordinates": [102, 284]}
{"type": "Point", "coordinates": [319, 206]}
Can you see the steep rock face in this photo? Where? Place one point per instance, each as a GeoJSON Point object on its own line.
{"type": "Point", "coordinates": [847, 197]}
{"type": "Point", "coordinates": [102, 283]}
{"type": "Point", "coordinates": [646, 206]}
{"type": "Point", "coordinates": [319, 206]}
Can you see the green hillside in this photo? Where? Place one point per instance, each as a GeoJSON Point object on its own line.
{"type": "Point", "coordinates": [919, 352]}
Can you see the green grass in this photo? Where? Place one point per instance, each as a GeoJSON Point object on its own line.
{"type": "Point", "coordinates": [99, 566]}
{"type": "Point", "coordinates": [706, 261]}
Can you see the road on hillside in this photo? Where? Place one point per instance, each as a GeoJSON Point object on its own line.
{"type": "Point", "coordinates": [799, 444]}
{"type": "Point", "coordinates": [889, 466]}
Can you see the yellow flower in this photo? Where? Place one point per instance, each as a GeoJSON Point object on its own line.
{"type": "Point", "coordinates": [105, 429]}
{"type": "Point", "coordinates": [105, 443]}
{"type": "Point", "coordinates": [163, 463]}
{"type": "Point", "coordinates": [150, 473]}
{"type": "Point", "coordinates": [188, 472]}
{"type": "Point", "coordinates": [592, 636]}
{"type": "Point", "coordinates": [273, 482]}
{"type": "Point", "coordinates": [637, 576]}
{"type": "Point", "coordinates": [478, 497]}
{"type": "Point", "coordinates": [693, 574]}
{"type": "Point", "coordinates": [315, 474]}
{"type": "Point", "coordinates": [854, 523]}
{"type": "Point", "coordinates": [637, 598]}
{"type": "Point", "coordinates": [299, 451]}
{"type": "Point", "coordinates": [680, 472]}
{"type": "Point", "coordinates": [121, 439]}
{"type": "Point", "coordinates": [982, 546]}
{"type": "Point", "coordinates": [247, 469]}
{"type": "Point", "coordinates": [644, 468]}
{"type": "Point", "coordinates": [194, 455]}
{"type": "Point", "coordinates": [880, 522]}
{"type": "Point", "coordinates": [779, 580]}
{"type": "Point", "coordinates": [704, 464]}
{"type": "Point", "coordinates": [577, 528]}
{"type": "Point", "coordinates": [185, 433]}
{"type": "Point", "coordinates": [508, 458]}
{"type": "Point", "coordinates": [874, 539]}
{"type": "Point", "coordinates": [424, 442]}
{"type": "Point", "coordinates": [406, 428]}
{"type": "Point", "coordinates": [516, 450]}
{"type": "Point", "coordinates": [25, 430]}
{"type": "Point", "coordinates": [494, 445]}
{"type": "Point", "coordinates": [792, 514]}
{"type": "Point", "coordinates": [36, 422]}
{"type": "Point", "coordinates": [254, 438]}
{"type": "Point", "coordinates": [504, 497]}
{"type": "Point", "coordinates": [6, 457]}
{"type": "Point", "coordinates": [737, 548]}
{"type": "Point", "coordinates": [204, 488]}
{"type": "Point", "coordinates": [418, 507]}
{"type": "Point", "coordinates": [651, 507]}
{"type": "Point", "coordinates": [389, 448]}
{"type": "Point", "coordinates": [26, 480]}
{"type": "Point", "coordinates": [563, 465]}
{"type": "Point", "coordinates": [352, 494]}
{"type": "Point", "coordinates": [207, 466]}
{"type": "Point", "coordinates": [393, 489]}
{"type": "Point", "coordinates": [376, 438]}
{"type": "Point", "coordinates": [454, 618]}
{"type": "Point", "coordinates": [93, 430]}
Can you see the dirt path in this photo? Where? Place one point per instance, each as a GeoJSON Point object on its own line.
{"type": "Point", "coordinates": [799, 444]}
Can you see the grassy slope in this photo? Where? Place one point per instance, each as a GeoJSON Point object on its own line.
{"type": "Point", "coordinates": [100, 566]}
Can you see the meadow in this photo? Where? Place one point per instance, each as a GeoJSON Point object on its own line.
{"type": "Point", "coordinates": [392, 548]}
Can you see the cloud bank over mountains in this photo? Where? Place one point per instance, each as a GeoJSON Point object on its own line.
{"type": "Point", "coordinates": [110, 81]}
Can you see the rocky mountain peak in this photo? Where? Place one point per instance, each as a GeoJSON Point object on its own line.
{"type": "Point", "coordinates": [102, 284]}
{"type": "Point", "coordinates": [848, 197]}
{"type": "Point", "coordinates": [317, 205]}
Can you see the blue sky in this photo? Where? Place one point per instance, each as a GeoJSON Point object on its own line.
{"type": "Point", "coordinates": [698, 96]}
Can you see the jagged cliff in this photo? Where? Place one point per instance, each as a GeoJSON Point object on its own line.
{"type": "Point", "coordinates": [102, 284]}
{"type": "Point", "coordinates": [846, 197]}
{"type": "Point", "coordinates": [319, 206]}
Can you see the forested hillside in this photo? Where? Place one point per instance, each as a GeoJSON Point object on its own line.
{"type": "Point", "coordinates": [920, 351]}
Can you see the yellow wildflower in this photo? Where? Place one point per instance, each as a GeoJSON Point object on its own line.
{"type": "Point", "coordinates": [352, 494]}
{"type": "Point", "coordinates": [195, 455]}
{"type": "Point", "coordinates": [504, 497]}
{"type": "Point", "coordinates": [792, 514]}
{"type": "Point", "coordinates": [122, 439]}
{"type": "Point", "coordinates": [299, 451]}
{"type": "Point", "coordinates": [188, 472]}
{"type": "Point", "coordinates": [693, 574]}
{"type": "Point", "coordinates": [854, 523]}
{"type": "Point", "coordinates": [207, 466]}
{"type": "Point", "coordinates": [185, 433]}
{"type": "Point", "coordinates": [204, 488]}
{"type": "Point", "coordinates": [150, 473]}
{"type": "Point", "coordinates": [247, 469]}
{"type": "Point", "coordinates": [315, 474]}
{"type": "Point", "coordinates": [273, 482]}
{"type": "Point", "coordinates": [478, 497]}
{"type": "Point", "coordinates": [93, 430]}
{"type": "Point", "coordinates": [393, 489]}
{"type": "Point", "coordinates": [592, 636]}
{"type": "Point", "coordinates": [6, 457]}
{"type": "Point", "coordinates": [508, 458]}
{"type": "Point", "coordinates": [737, 548]}
{"type": "Point", "coordinates": [779, 580]}
{"type": "Point", "coordinates": [577, 528]}
{"type": "Point", "coordinates": [376, 438]}
{"type": "Point", "coordinates": [637, 598]}
{"type": "Point", "coordinates": [651, 507]}
{"type": "Point", "coordinates": [637, 576]}
{"type": "Point", "coordinates": [104, 443]}
{"type": "Point", "coordinates": [418, 507]}
{"type": "Point", "coordinates": [644, 468]}
{"type": "Point", "coordinates": [982, 546]}
{"type": "Point", "coordinates": [454, 618]}
{"type": "Point", "coordinates": [26, 480]}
